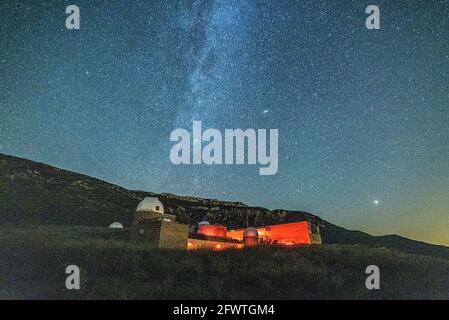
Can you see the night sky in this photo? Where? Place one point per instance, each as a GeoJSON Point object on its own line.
{"type": "Point", "coordinates": [363, 115]}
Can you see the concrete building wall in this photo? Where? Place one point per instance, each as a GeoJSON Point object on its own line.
{"type": "Point", "coordinates": [315, 234]}
{"type": "Point", "coordinates": [151, 215]}
{"type": "Point", "coordinates": [147, 231]}
{"type": "Point", "coordinates": [173, 235]}
{"type": "Point", "coordinates": [315, 239]}
{"type": "Point", "coordinates": [194, 244]}
{"type": "Point", "coordinates": [161, 233]}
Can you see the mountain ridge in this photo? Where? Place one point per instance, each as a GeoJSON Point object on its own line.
{"type": "Point", "coordinates": [37, 193]}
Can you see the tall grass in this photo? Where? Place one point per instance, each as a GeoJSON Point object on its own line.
{"type": "Point", "coordinates": [33, 262]}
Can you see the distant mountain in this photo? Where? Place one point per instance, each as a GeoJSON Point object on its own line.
{"type": "Point", "coordinates": [35, 193]}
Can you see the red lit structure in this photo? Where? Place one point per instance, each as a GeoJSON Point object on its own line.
{"type": "Point", "coordinates": [153, 225]}
{"type": "Point", "coordinates": [217, 237]}
{"type": "Point", "coordinates": [301, 232]}
{"type": "Point", "coordinates": [212, 230]}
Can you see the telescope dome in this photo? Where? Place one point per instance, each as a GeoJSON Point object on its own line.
{"type": "Point", "coordinates": [116, 225]}
{"type": "Point", "coordinates": [250, 232]}
{"type": "Point", "coordinates": [150, 204]}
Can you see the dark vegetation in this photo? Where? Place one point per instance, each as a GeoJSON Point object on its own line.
{"type": "Point", "coordinates": [51, 218]}
{"type": "Point", "coordinates": [33, 193]}
{"type": "Point", "coordinates": [33, 262]}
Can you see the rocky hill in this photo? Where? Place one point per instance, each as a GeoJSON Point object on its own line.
{"type": "Point", "coordinates": [33, 193]}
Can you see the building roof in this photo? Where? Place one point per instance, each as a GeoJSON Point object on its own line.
{"type": "Point", "coordinates": [151, 204]}
{"type": "Point", "coordinates": [116, 225]}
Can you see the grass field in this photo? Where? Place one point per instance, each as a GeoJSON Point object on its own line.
{"type": "Point", "coordinates": [33, 262]}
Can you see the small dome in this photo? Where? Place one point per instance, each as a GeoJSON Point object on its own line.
{"type": "Point", "coordinates": [250, 232]}
{"type": "Point", "coordinates": [116, 225]}
{"type": "Point", "coordinates": [151, 204]}
{"type": "Point", "coordinates": [204, 223]}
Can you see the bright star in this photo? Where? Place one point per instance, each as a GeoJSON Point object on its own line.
{"type": "Point", "coordinates": [376, 202]}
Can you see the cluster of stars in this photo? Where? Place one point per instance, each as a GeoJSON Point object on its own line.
{"type": "Point", "coordinates": [362, 117]}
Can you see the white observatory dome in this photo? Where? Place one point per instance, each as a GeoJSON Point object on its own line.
{"type": "Point", "coordinates": [203, 223]}
{"type": "Point", "coordinates": [116, 225]}
{"type": "Point", "coordinates": [151, 204]}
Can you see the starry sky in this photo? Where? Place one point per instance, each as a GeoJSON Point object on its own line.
{"type": "Point", "coordinates": [363, 115]}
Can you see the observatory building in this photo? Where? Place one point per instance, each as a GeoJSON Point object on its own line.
{"type": "Point", "coordinates": [301, 232]}
{"type": "Point", "coordinates": [217, 237]}
{"type": "Point", "coordinates": [212, 237]}
{"type": "Point", "coordinates": [153, 226]}
{"type": "Point", "coordinates": [116, 225]}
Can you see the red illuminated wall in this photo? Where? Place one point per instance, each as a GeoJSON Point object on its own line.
{"type": "Point", "coordinates": [287, 233]}
{"type": "Point", "coordinates": [212, 230]}
{"type": "Point", "coordinates": [235, 234]}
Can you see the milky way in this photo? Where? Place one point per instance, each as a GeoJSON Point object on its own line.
{"type": "Point", "coordinates": [363, 115]}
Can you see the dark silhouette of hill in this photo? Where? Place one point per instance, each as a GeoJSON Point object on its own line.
{"type": "Point", "coordinates": [33, 193]}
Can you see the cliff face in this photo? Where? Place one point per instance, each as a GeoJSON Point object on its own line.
{"type": "Point", "coordinates": [35, 193]}
{"type": "Point", "coordinates": [232, 216]}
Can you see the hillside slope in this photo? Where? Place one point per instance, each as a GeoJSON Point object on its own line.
{"type": "Point", "coordinates": [35, 193]}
